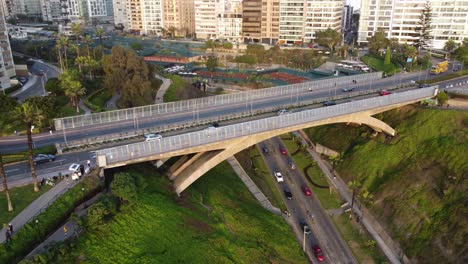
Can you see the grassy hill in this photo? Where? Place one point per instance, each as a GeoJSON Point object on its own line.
{"type": "Point", "coordinates": [418, 178]}
{"type": "Point", "coordinates": [228, 226]}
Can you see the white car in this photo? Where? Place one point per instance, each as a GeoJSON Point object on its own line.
{"type": "Point", "coordinates": [278, 176]}
{"type": "Point", "coordinates": [75, 170]}
{"type": "Point", "coordinates": [151, 137]}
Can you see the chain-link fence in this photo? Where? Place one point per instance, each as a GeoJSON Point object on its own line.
{"type": "Point", "coordinates": [189, 105]}
{"type": "Point", "coordinates": [198, 138]}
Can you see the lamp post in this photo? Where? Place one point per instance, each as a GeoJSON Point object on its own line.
{"type": "Point", "coordinates": [303, 241]}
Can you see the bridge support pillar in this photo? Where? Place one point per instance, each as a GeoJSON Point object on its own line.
{"type": "Point", "coordinates": [372, 122]}
{"type": "Point", "coordinates": [181, 164]}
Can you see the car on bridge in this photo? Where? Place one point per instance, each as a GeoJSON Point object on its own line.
{"type": "Point", "coordinates": [423, 85]}
{"type": "Point", "coordinates": [43, 158]}
{"type": "Point", "coordinates": [151, 137]}
{"type": "Point", "coordinates": [347, 89]}
{"type": "Point", "coordinates": [318, 253]}
{"type": "Point", "coordinates": [278, 176]}
{"type": "Point", "coordinates": [329, 103]}
{"type": "Point", "coordinates": [283, 112]}
{"type": "Point", "coordinates": [384, 92]}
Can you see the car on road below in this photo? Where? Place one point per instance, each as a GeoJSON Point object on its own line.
{"type": "Point", "coordinates": [318, 253]}
{"type": "Point", "coordinates": [42, 158]}
{"type": "Point", "coordinates": [384, 92]}
{"type": "Point", "coordinates": [306, 190]}
{"type": "Point", "coordinates": [305, 227]}
{"type": "Point", "coordinates": [329, 103]}
{"type": "Point", "coordinates": [266, 151]}
{"type": "Point", "coordinates": [348, 89]}
{"type": "Point", "coordinates": [423, 85]}
{"type": "Point", "coordinates": [291, 165]}
{"type": "Point", "coordinates": [288, 194]}
{"type": "Point", "coordinates": [283, 150]}
{"type": "Point", "coordinates": [278, 176]}
{"type": "Point", "coordinates": [151, 137]}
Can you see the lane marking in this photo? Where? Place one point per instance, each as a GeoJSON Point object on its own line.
{"type": "Point", "coordinates": [12, 170]}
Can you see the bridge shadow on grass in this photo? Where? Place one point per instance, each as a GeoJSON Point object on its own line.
{"type": "Point", "coordinates": [306, 173]}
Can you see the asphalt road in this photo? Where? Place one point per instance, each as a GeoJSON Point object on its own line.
{"type": "Point", "coordinates": [15, 143]}
{"type": "Point", "coordinates": [35, 82]}
{"type": "Point", "coordinates": [306, 208]}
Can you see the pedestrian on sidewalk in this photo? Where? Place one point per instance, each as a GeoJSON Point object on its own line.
{"type": "Point", "coordinates": [10, 227]}
{"type": "Point", "coordinates": [65, 230]}
{"type": "Point", "coordinates": [8, 236]}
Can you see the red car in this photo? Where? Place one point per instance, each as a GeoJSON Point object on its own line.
{"type": "Point", "coordinates": [384, 92]}
{"type": "Point", "coordinates": [283, 150]}
{"type": "Point", "coordinates": [318, 253]}
{"type": "Point", "coordinates": [306, 190]}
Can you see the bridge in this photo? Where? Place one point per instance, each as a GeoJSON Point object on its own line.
{"type": "Point", "coordinates": [202, 150]}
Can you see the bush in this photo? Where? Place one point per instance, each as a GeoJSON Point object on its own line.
{"type": "Point", "coordinates": [13, 88]}
{"type": "Point", "coordinates": [36, 231]}
{"type": "Point", "coordinates": [53, 86]}
{"type": "Point", "coordinates": [124, 187]}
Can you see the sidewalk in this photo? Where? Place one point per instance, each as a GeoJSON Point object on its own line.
{"type": "Point", "coordinates": [84, 107]}
{"type": "Point", "coordinates": [38, 206]}
{"type": "Point", "coordinates": [162, 90]}
{"type": "Point", "coordinates": [384, 241]}
{"type": "Point", "coordinates": [251, 186]}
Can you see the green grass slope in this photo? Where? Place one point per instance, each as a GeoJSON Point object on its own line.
{"type": "Point", "coordinates": [230, 226]}
{"type": "Point", "coordinates": [418, 178]}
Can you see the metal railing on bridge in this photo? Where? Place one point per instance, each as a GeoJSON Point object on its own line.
{"type": "Point", "coordinates": [189, 105]}
{"type": "Point", "coordinates": [188, 140]}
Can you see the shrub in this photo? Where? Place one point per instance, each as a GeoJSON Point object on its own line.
{"type": "Point", "coordinates": [124, 187]}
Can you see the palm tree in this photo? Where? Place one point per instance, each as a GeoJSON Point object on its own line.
{"type": "Point", "coordinates": [63, 43]}
{"type": "Point", "coordinates": [81, 60]}
{"type": "Point", "coordinates": [28, 115]}
{"type": "Point", "coordinates": [100, 34]}
{"type": "Point", "coordinates": [72, 88]}
{"type": "Point", "coordinates": [5, 186]}
{"type": "Point", "coordinates": [88, 40]}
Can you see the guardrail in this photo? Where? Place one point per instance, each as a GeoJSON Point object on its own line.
{"type": "Point", "coordinates": [188, 140]}
{"type": "Point", "coordinates": [202, 121]}
{"type": "Point", "coordinates": [188, 105]}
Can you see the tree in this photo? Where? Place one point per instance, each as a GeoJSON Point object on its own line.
{"type": "Point", "coordinates": [123, 186]}
{"type": "Point", "coordinates": [27, 114]}
{"type": "Point", "coordinates": [354, 186]}
{"type": "Point", "coordinates": [211, 63]}
{"type": "Point", "coordinates": [388, 57]}
{"type": "Point", "coordinates": [72, 87]}
{"type": "Point", "coordinates": [377, 42]}
{"type": "Point", "coordinates": [88, 40]}
{"type": "Point", "coordinates": [450, 45]}
{"type": "Point", "coordinates": [53, 86]}
{"type": "Point", "coordinates": [424, 27]}
{"type": "Point", "coordinates": [248, 59]}
{"type": "Point", "coordinates": [5, 185]}
{"type": "Point", "coordinates": [47, 105]}
{"type": "Point", "coordinates": [210, 44]}
{"type": "Point", "coordinates": [62, 46]}
{"type": "Point", "coordinates": [442, 97]}
{"type": "Point", "coordinates": [100, 34]}
{"type": "Point", "coordinates": [136, 46]}
{"type": "Point", "coordinates": [256, 50]}
{"type": "Point", "coordinates": [78, 31]}
{"type": "Point", "coordinates": [227, 45]}
{"type": "Point", "coordinates": [172, 31]}
{"type": "Point", "coordinates": [328, 37]}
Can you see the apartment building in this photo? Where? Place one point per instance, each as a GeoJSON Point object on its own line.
{"type": "Point", "coordinates": [270, 21]}
{"type": "Point", "coordinates": [120, 13]}
{"type": "Point", "coordinates": [218, 19]}
{"type": "Point", "coordinates": [399, 19]}
{"type": "Point", "coordinates": [7, 67]}
{"type": "Point", "coordinates": [300, 19]}
{"type": "Point", "coordinates": [152, 18]}
{"type": "Point", "coordinates": [252, 20]}
{"type": "Point", "coordinates": [180, 15]}
{"type": "Point", "coordinates": [346, 17]}
{"type": "Point", "coordinates": [8, 7]}
{"type": "Point", "coordinates": [31, 8]}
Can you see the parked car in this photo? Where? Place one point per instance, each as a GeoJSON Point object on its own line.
{"type": "Point", "coordinates": [283, 150]}
{"type": "Point", "coordinates": [329, 103]}
{"type": "Point", "coordinates": [288, 194]}
{"type": "Point", "coordinates": [151, 137]}
{"type": "Point", "coordinates": [42, 158]}
{"type": "Point", "coordinates": [22, 80]}
{"type": "Point", "coordinates": [348, 89]}
{"type": "Point", "coordinates": [305, 227]}
{"type": "Point", "coordinates": [75, 171]}
{"type": "Point", "coordinates": [278, 176]}
{"type": "Point", "coordinates": [282, 112]}
{"type": "Point", "coordinates": [384, 92]}
{"type": "Point", "coordinates": [266, 151]}
{"type": "Point", "coordinates": [291, 165]}
{"type": "Point", "coordinates": [306, 190]}
{"type": "Point", "coordinates": [318, 253]}
{"type": "Point", "coordinates": [423, 85]}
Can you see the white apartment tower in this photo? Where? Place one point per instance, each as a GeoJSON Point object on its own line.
{"type": "Point", "coordinates": [300, 19]}
{"type": "Point", "coordinates": [152, 17]}
{"type": "Point", "coordinates": [218, 19]}
{"type": "Point", "coordinates": [120, 13]}
{"type": "Point", "coordinates": [399, 18]}
{"type": "Point", "coordinates": [7, 67]}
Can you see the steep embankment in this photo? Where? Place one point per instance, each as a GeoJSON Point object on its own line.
{"type": "Point", "coordinates": [418, 178]}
